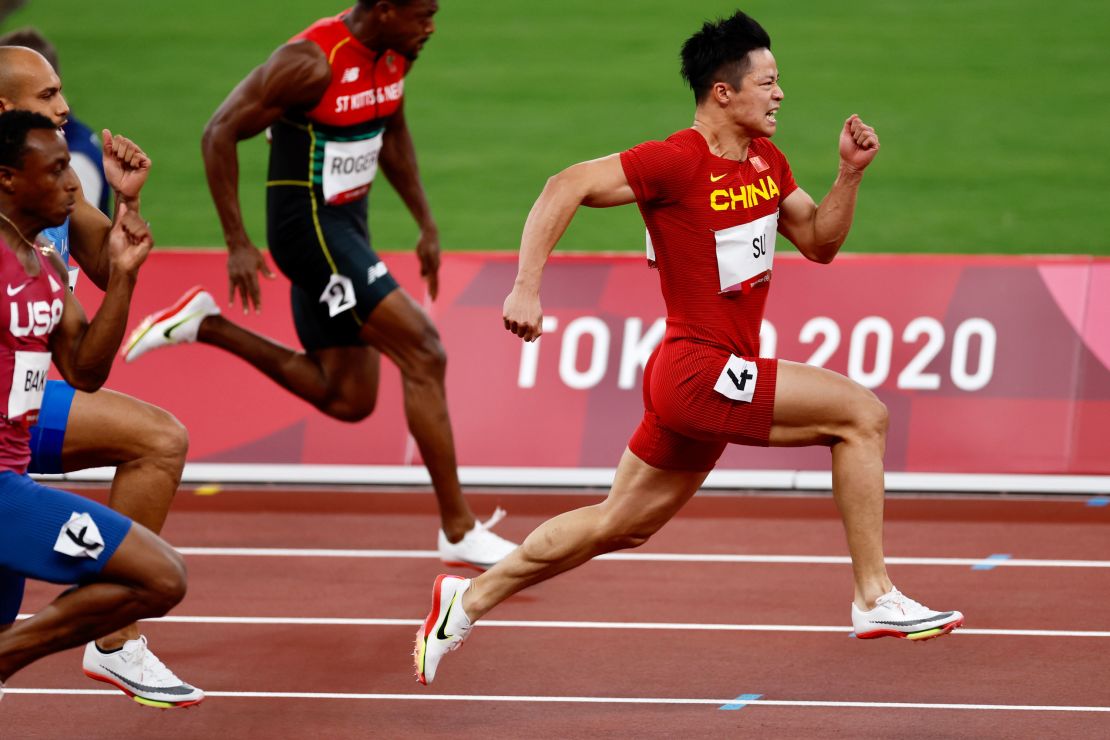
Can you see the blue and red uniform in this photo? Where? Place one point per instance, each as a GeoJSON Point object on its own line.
{"type": "Point", "coordinates": [48, 435]}
{"type": "Point", "coordinates": [712, 224]}
{"type": "Point", "coordinates": [45, 534]}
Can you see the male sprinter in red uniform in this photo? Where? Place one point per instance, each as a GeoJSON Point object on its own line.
{"type": "Point", "coordinates": [333, 100]}
{"type": "Point", "coordinates": [713, 197]}
{"type": "Point", "coordinates": [76, 429]}
{"type": "Point", "coordinates": [123, 572]}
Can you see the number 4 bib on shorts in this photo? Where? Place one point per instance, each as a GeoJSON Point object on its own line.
{"type": "Point", "coordinates": [737, 381]}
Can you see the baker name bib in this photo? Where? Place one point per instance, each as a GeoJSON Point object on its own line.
{"type": "Point", "coordinates": [28, 384]}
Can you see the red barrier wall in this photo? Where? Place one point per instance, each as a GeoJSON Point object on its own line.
{"type": "Point", "coordinates": [988, 364]}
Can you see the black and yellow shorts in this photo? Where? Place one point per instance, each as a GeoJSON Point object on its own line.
{"type": "Point", "coordinates": [337, 278]}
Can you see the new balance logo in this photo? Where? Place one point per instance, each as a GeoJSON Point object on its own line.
{"type": "Point", "coordinates": [375, 272]}
{"type": "Point", "coordinates": [350, 75]}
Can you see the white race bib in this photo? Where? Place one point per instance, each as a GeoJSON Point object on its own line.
{"type": "Point", "coordinates": [737, 381]}
{"type": "Point", "coordinates": [349, 168]}
{"type": "Point", "coordinates": [28, 383]}
{"type": "Point", "coordinates": [80, 538]}
{"type": "Point", "coordinates": [745, 253]}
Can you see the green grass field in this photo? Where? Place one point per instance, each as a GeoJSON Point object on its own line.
{"type": "Point", "coordinates": [992, 114]}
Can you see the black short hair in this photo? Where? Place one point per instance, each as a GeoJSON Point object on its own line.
{"type": "Point", "coordinates": [719, 52]}
{"type": "Point", "coordinates": [14, 127]}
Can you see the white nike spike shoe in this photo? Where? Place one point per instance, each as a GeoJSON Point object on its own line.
{"type": "Point", "coordinates": [479, 548]}
{"type": "Point", "coordinates": [445, 628]}
{"type": "Point", "coordinates": [175, 325]}
{"type": "Point", "coordinates": [137, 672]}
{"type": "Point", "coordinates": [897, 615]}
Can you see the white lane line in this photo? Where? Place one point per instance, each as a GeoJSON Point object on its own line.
{"type": "Point", "coordinates": [586, 700]}
{"type": "Point", "coordinates": [557, 624]}
{"type": "Point", "coordinates": [646, 557]}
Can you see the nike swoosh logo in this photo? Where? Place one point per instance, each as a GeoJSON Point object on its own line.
{"type": "Point", "coordinates": [169, 329]}
{"type": "Point", "coordinates": [715, 178]}
{"type": "Point", "coordinates": [440, 634]}
{"type": "Point", "coordinates": [171, 690]}
{"type": "Point", "coordinates": [913, 622]}
{"type": "Point", "coordinates": [18, 290]}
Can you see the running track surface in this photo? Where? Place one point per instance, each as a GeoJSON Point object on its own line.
{"type": "Point", "coordinates": [302, 607]}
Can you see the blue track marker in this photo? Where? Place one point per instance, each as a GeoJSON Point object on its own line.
{"type": "Point", "coordinates": [991, 562]}
{"type": "Point", "coordinates": [1098, 501]}
{"type": "Point", "coordinates": [741, 701]}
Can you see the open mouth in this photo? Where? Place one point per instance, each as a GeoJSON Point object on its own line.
{"type": "Point", "coordinates": [772, 116]}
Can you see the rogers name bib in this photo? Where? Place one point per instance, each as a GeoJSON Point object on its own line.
{"type": "Point", "coordinates": [349, 168]}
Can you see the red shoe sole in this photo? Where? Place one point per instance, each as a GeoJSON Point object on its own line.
{"type": "Point", "coordinates": [924, 634]}
{"type": "Point", "coordinates": [141, 700]}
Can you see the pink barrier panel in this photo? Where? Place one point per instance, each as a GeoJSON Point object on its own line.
{"type": "Point", "coordinates": [988, 364]}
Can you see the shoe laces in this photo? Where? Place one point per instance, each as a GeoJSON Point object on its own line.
{"type": "Point", "coordinates": [462, 631]}
{"type": "Point", "coordinates": [900, 601]}
{"type": "Point", "coordinates": [498, 515]}
{"type": "Point", "coordinates": [462, 634]}
{"type": "Point", "coordinates": [153, 669]}
{"type": "Point", "coordinates": [481, 536]}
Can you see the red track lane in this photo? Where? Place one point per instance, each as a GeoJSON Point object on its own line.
{"type": "Point", "coordinates": [963, 669]}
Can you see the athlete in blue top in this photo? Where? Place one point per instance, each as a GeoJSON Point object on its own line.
{"type": "Point", "coordinates": [84, 145]}
{"type": "Point", "coordinates": [79, 430]}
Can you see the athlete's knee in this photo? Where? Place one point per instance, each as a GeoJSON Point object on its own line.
{"type": "Point", "coordinates": [616, 534]}
{"type": "Point", "coordinates": [169, 438]}
{"type": "Point", "coordinates": [164, 582]}
{"type": "Point", "coordinates": [870, 417]}
{"type": "Point", "coordinates": [352, 403]}
{"type": "Point", "coordinates": [429, 356]}
{"type": "Point", "coordinates": [154, 433]}
{"type": "Point", "coordinates": [349, 409]}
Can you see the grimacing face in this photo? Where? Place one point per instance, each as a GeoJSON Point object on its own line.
{"type": "Point", "coordinates": [755, 105]}
{"type": "Point", "coordinates": [45, 187]}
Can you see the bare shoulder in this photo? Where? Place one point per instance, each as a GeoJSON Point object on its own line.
{"type": "Point", "coordinates": [297, 72]}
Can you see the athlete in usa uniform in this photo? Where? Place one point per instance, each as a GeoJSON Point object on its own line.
{"type": "Point", "coordinates": [123, 571]}
{"type": "Point", "coordinates": [78, 430]}
{"type": "Point", "coordinates": [713, 198]}
{"type": "Point", "coordinates": [333, 101]}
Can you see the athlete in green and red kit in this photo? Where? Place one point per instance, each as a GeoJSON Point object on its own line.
{"type": "Point", "coordinates": [333, 101]}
